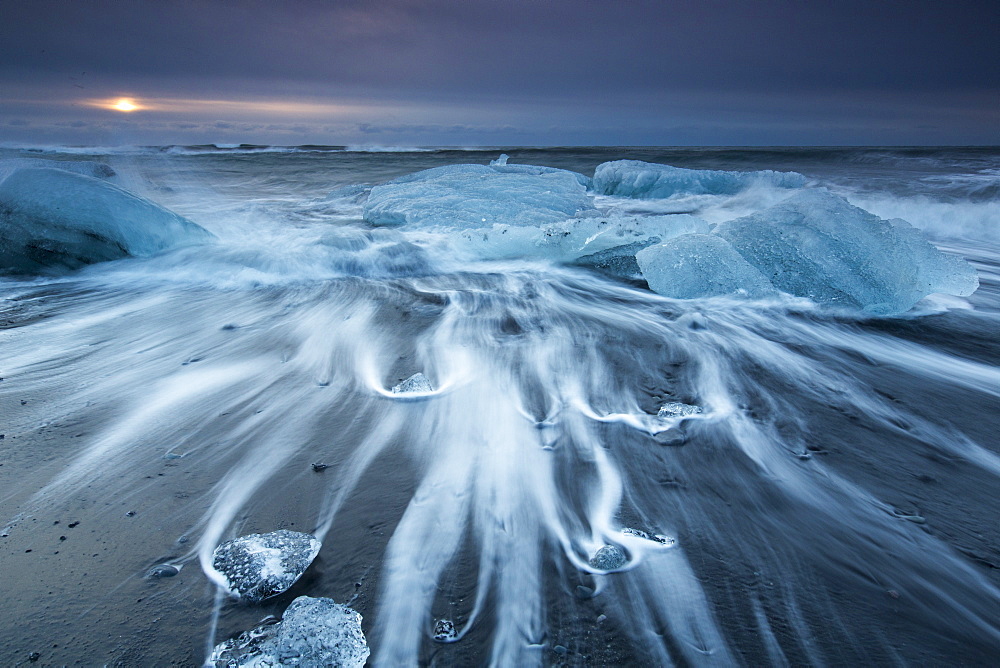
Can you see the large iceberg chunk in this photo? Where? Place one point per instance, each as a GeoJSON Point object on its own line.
{"type": "Point", "coordinates": [312, 632]}
{"type": "Point", "coordinates": [261, 565]}
{"type": "Point", "coordinates": [473, 196]}
{"type": "Point", "coordinates": [817, 245]}
{"type": "Point", "coordinates": [647, 180]}
{"type": "Point", "coordinates": [98, 170]}
{"type": "Point", "coordinates": [52, 218]}
{"type": "Point", "coordinates": [700, 265]}
{"type": "Point", "coordinates": [591, 240]}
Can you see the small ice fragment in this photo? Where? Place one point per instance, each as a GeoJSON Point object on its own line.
{"type": "Point", "coordinates": [638, 533]}
{"type": "Point", "coordinates": [675, 409]}
{"type": "Point", "coordinates": [444, 629]}
{"type": "Point", "coordinates": [312, 632]}
{"type": "Point", "coordinates": [502, 160]}
{"type": "Point", "coordinates": [258, 566]}
{"type": "Point", "coordinates": [416, 383]}
{"type": "Point", "coordinates": [608, 558]}
{"type": "Point", "coordinates": [655, 538]}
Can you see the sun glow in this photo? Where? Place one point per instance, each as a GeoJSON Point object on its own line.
{"type": "Point", "coordinates": [124, 104]}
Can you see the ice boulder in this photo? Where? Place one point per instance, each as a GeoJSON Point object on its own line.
{"type": "Point", "coordinates": [700, 265]}
{"type": "Point", "coordinates": [474, 196]}
{"type": "Point", "coordinates": [817, 245]}
{"type": "Point", "coordinates": [312, 632]}
{"type": "Point", "coordinates": [54, 219]}
{"type": "Point", "coordinates": [575, 239]}
{"type": "Point", "coordinates": [647, 180]}
{"type": "Point", "coordinates": [261, 565]}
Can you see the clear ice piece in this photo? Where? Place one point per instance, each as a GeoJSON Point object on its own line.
{"type": "Point", "coordinates": [312, 632]}
{"type": "Point", "coordinates": [416, 383]}
{"type": "Point", "coordinates": [261, 565]}
{"type": "Point", "coordinates": [647, 180]}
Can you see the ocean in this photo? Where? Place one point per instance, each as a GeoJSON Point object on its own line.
{"type": "Point", "coordinates": [832, 502]}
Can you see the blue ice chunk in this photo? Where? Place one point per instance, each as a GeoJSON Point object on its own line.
{"type": "Point", "coordinates": [314, 631]}
{"type": "Point", "coordinates": [700, 265]}
{"type": "Point", "coordinates": [647, 180]}
{"type": "Point", "coordinates": [52, 219]}
{"type": "Point", "coordinates": [589, 240]}
{"type": "Point", "coordinates": [817, 245]}
{"type": "Point", "coordinates": [472, 196]}
{"type": "Point", "coordinates": [261, 565]}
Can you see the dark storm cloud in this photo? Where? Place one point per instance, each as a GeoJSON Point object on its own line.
{"type": "Point", "coordinates": [586, 60]}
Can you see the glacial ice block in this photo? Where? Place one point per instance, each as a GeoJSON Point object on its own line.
{"type": "Point", "coordinates": [700, 265]}
{"type": "Point", "coordinates": [583, 240]}
{"type": "Point", "coordinates": [312, 632]}
{"type": "Point", "coordinates": [55, 219]}
{"type": "Point", "coordinates": [473, 196]}
{"type": "Point", "coordinates": [647, 180]}
{"type": "Point", "coordinates": [98, 170]}
{"type": "Point", "coordinates": [817, 245]}
{"type": "Point", "coordinates": [261, 565]}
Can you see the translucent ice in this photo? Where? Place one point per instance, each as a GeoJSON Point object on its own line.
{"type": "Point", "coordinates": [312, 632]}
{"type": "Point", "coordinates": [52, 218]}
{"type": "Point", "coordinates": [647, 180]}
{"type": "Point", "coordinates": [98, 170]}
{"type": "Point", "coordinates": [588, 240]}
{"type": "Point", "coordinates": [700, 265]}
{"type": "Point", "coordinates": [472, 196]}
{"type": "Point", "coordinates": [608, 558]}
{"type": "Point", "coordinates": [258, 566]}
{"type": "Point", "coordinates": [676, 409]}
{"type": "Point", "coordinates": [416, 383]}
{"type": "Point", "coordinates": [817, 245]}
{"type": "Point", "coordinates": [444, 631]}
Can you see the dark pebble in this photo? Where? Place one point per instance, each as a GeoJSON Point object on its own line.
{"type": "Point", "coordinates": [130, 513]}
{"type": "Point", "coordinates": [23, 402]}
{"type": "Point", "coordinates": [34, 656]}
{"type": "Point", "coordinates": [62, 537]}
{"type": "Point", "coordinates": [73, 524]}
{"type": "Point", "coordinates": [319, 467]}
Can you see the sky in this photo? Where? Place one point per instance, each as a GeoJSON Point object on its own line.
{"type": "Point", "coordinates": [500, 72]}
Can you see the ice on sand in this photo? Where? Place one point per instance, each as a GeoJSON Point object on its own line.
{"type": "Point", "coordinates": [816, 244]}
{"type": "Point", "coordinates": [700, 265]}
{"type": "Point", "coordinates": [56, 219]}
{"type": "Point", "coordinates": [416, 383]}
{"type": "Point", "coordinates": [474, 196]}
{"type": "Point", "coordinates": [312, 632]}
{"type": "Point", "coordinates": [258, 566]}
{"type": "Point", "coordinates": [647, 180]}
{"type": "Point", "coordinates": [608, 558]}
{"type": "Point", "coordinates": [576, 239]}
{"type": "Point", "coordinates": [676, 409]}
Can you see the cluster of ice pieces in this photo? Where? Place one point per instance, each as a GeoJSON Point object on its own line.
{"type": "Point", "coordinates": [645, 180]}
{"type": "Point", "coordinates": [312, 632]}
{"type": "Point", "coordinates": [54, 219]}
{"type": "Point", "coordinates": [813, 244]}
{"type": "Point", "coordinates": [258, 566]}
